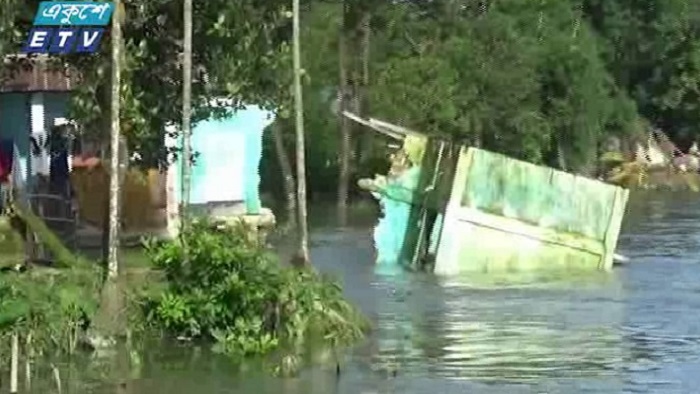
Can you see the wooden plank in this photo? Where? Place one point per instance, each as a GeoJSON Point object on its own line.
{"type": "Point", "coordinates": [373, 125]}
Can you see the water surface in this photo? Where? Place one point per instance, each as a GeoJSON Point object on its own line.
{"type": "Point", "coordinates": [633, 330]}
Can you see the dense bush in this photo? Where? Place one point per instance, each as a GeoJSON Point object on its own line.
{"type": "Point", "coordinates": [233, 292]}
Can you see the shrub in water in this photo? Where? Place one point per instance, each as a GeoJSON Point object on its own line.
{"type": "Point", "coordinates": [234, 292]}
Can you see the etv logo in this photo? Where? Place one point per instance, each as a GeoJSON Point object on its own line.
{"type": "Point", "coordinates": [62, 39]}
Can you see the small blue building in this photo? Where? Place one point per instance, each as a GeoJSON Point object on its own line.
{"type": "Point", "coordinates": [225, 174]}
{"type": "Point", "coordinates": [30, 102]}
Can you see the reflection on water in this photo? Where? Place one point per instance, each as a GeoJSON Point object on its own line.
{"type": "Point", "coordinates": [511, 335]}
{"type": "Point", "coordinates": [633, 330]}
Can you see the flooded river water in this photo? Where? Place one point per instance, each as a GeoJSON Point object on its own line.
{"type": "Point", "coordinates": [633, 330]}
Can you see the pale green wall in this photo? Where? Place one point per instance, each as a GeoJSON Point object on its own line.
{"type": "Point", "coordinates": [508, 215]}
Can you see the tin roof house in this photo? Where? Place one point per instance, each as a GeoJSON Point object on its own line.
{"type": "Point", "coordinates": [31, 102]}
{"type": "Point", "coordinates": [225, 178]}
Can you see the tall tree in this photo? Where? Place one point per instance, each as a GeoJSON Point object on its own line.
{"type": "Point", "coordinates": [186, 119]}
{"type": "Point", "coordinates": [289, 184]}
{"type": "Point", "coordinates": [114, 179]}
{"type": "Point", "coordinates": [303, 253]}
{"type": "Point", "coordinates": [354, 61]}
{"type": "Point", "coordinates": [344, 96]}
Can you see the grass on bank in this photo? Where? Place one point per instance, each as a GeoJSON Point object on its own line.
{"type": "Point", "coordinates": [232, 294]}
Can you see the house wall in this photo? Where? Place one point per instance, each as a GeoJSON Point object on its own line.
{"type": "Point", "coordinates": [55, 106]}
{"type": "Point", "coordinates": [14, 124]}
{"type": "Point", "coordinates": [505, 215]}
{"type": "Point", "coordinates": [227, 167]}
{"type": "Point", "coordinates": [15, 118]}
{"type": "Point", "coordinates": [142, 208]}
{"type": "Point", "coordinates": [226, 172]}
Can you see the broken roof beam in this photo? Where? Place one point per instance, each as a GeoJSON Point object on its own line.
{"type": "Point", "coordinates": [391, 130]}
{"type": "Point", "coordinates": [394, 128]}
{"type": "Point", "coordinates": [366, 122]}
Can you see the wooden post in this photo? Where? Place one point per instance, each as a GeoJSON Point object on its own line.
{"type": "Point", "coordinates": [57, 378]}
{"type": "Point", "coordinates": [345, 127]}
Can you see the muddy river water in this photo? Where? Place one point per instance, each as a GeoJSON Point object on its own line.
{"type": "Point", "coordinates": [633, 330]}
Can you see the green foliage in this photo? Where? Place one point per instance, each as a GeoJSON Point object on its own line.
{"type": "Point", "coordinates": [240, 51]}
{"type": "Point", "coordinates": [652, 51]}
{"type": "Point", "coordinates": [234, 293]}
{"type": "Point", "coordinates": [54, 306]}
{"type": "Point", "coordinates": [531, 79]}
{"type": "Point", "coordinates": [516, 77]}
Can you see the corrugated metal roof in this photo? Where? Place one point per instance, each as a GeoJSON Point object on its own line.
{"type": "Point", "coordinates": [38, 76]}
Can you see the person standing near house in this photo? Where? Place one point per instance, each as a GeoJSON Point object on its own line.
{"type": "Point", "coordinates": [39, 161]}
{"type": "Point", "coordinates": [58, 162]}
{"type": "Point", "coordinates": [6, 155]}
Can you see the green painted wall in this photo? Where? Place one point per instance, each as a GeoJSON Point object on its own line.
{"type": "Point", "coordinates": [506, 215]}
{"type": "Point", "coordinates": [538, 195]}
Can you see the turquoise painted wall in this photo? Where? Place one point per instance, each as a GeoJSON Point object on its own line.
{"type": "Point", "coordinates": [14, 123]}
{"type": "Point", "coordinates": [229, 153]}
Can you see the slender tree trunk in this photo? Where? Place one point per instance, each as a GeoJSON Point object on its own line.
{"type": "Point", "coordinates": [303, 255]}
{"type": "Point", "coordinates": [114, 184]}
{"type": "Point", "coordinates": [186, 122]}
{"type": "Point", "coordinates": [14, 364]}
{"type": "Point", "coordinates": [366, 41]}
{"type": "Point", "coordinates": [286, 168]}
{"type": "Point", "coordinates": [561, 157]}
{"type": "Point", "coordinates": [365, 29]}
{"type": "Point", "coordinates": [354, 53]}
{"type": "Point", "coordinates": [345, 130]}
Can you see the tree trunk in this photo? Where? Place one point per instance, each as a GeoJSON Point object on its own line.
{"type": "Point", "coordinates": [114, 184]}
{"type": "Point", "coordinates": [561, 157]}
{"type": "Point", "coordinates": [186, 124]}
{"type": "Point", "coordinates": [303, 254]}
{"type": "Point", "coordinates": [345, 130]}
{"type": "Point", "coordinates": [286, 168]}
{"type": "Point", "coordinates": [186, 108]}
{"type": "Point", "coordinates": [367, 139]}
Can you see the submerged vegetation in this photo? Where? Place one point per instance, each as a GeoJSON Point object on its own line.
{"type": "Point", "coordinates": [233, 291]}
{"type": "Point", "coordinates": [52, 308]}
